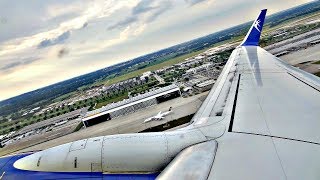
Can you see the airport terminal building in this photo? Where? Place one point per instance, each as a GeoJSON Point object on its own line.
{"type": "Point", "coordinates": [131, 105]}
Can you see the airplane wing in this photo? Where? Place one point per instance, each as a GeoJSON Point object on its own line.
{"type": "Point", "coordinates": [148, 119]}
{"type": "Point", "coordinates": [166, 113]}
{"type": "Point", "coordinates": [271, 115]}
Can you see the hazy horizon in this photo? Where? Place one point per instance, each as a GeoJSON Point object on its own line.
{"type": "Point", "coordinates": [46, 37]}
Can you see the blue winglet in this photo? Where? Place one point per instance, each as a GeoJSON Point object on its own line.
{"type": "Point", "coordinates": [253, 36]}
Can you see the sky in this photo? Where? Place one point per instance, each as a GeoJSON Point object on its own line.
{"type": "Point", "coordinates": [44, 42]}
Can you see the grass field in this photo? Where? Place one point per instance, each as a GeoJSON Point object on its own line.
{"type": "Point", "coordinates": [150, 68]}
{"type": "Point", "coordinates": [317, 74]}
{"type": "Point", "coordinates": [119, 98]}
{"type": "Point", "coordinates": [317, 62]}
{"type": "Point", "coordinates": [65, 96]}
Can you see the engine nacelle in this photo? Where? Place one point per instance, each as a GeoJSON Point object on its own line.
{"type": "Point", "coordinates": [142, 152]}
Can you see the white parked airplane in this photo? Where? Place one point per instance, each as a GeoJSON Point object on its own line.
{"type": "Point", "coordinates": [259, 121]}
{"type": "Point", "coordinates": [159, 116]}
{"type": "Point", "coordinates": [60, 123]}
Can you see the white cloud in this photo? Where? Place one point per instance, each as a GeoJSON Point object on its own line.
{"type": "Point", "coordinates": [57, 10]}
{"type": "Point", "coordinates": [96, 9]}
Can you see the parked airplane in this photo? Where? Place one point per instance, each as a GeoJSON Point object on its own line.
{"type": "Point", "coordinates": [159, 116]}
{"type": "Point", "coordinates": [60, 123]}
{"type": "Point", "coordinates": [259, 121]}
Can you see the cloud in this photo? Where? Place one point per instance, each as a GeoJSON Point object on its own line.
{"type": "Point", "coordinates": [123, 23]}
{"type": "Point", "coordinates": [94, 10]}
{"type": "Point", "coordinates": [60, 9]}
{"type": "Point", "coordinates": [62, 52]}
{"type": "Point", "coordinates": [145, 11]}
{"type": "Point", "coordinates": [85, 25]}
{"type": "Point", "coordinates": [56, 40]}
{"type": "Point", "coordinates": [194, 2]}
{"type": "Point", "coordinates": [160, 9]}
{"type": "Point", "coordinates": [142, 7]}
{"type": "Point", "coordinates": [21, 62]}
{"type": "Point", "coordinates": [10, 66]}
{"type": "Point", "coordinates": [3, 20]}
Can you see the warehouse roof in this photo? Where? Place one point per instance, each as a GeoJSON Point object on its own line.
{"type": "Point", "coordinates": [131, 101]}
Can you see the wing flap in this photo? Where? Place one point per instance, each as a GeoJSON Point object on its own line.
{"type": "Point", "coordinates": [245, 156]}
{"type": "Point", "coordinates": [242, 156]}
{"type": "Point", "coordinates": [193, 162]}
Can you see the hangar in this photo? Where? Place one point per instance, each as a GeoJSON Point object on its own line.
{"type": "Point", "coordinates": [131, 105]}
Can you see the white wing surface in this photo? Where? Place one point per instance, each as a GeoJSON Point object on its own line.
{"type": "Point", "coordinates": [271, 112]}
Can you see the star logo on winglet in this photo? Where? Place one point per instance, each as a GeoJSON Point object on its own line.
{"type": "Point", "coordinates": [257, 25]}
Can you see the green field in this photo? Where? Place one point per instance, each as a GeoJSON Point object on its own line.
{"type": "Point", "coordinates": [317, 62]}
{"type": "Point", "coordinates": [65, 96]}
{"type": "Point", "coordinates": [116, 99]}
{"type": "Point", "coordinates": [150, 68]}
{"type": "Point", "coordinates": [317, 74]}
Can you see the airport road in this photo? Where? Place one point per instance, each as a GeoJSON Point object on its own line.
{"type": "Point", "coordinates": [38, 138]}
{"type": "Point", "coordinates": [304, 59]}
{"type": "Point", "coordinates": [294, 42]}
{"type": "Point", "coordinates": [160, 79]}
{"type": "Point", "coordinates": [310, 54]}
{"type": "Point", "coordinates": [131, 123]}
